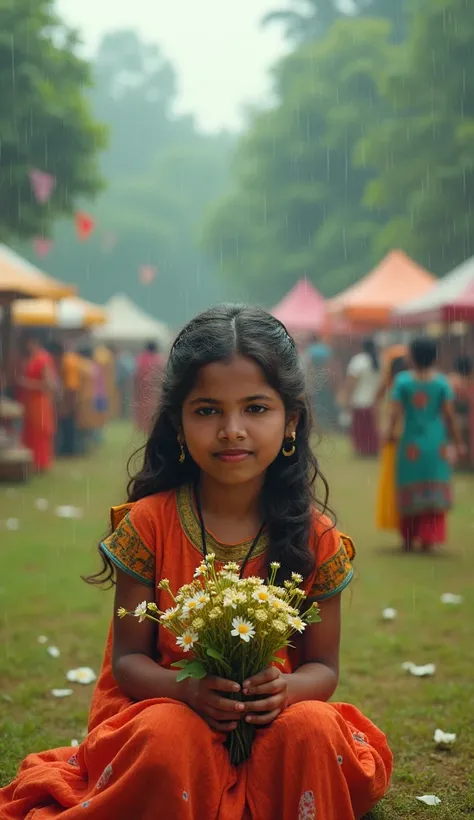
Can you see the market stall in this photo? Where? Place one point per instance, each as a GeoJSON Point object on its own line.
{"type": "Point", "coordinates": [130, 327]}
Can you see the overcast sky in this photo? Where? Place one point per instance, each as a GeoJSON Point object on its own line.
{"type": "Point", "coordinates": [219, 50]}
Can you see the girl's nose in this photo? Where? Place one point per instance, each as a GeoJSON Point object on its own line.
{"type": "Point", "coordinates": [231, 430]}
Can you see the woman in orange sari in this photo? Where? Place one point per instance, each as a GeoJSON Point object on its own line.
{"type": "Point", "coordinates": [37, 384]}
{"type": "Point", "coordinates": [229, 456]}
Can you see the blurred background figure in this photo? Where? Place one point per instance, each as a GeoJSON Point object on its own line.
{"type": "Point", "coordinates": [462, 381]}
{"type": "Point", "coordinates": [362, 385]}
{"type": "Point", "coordinates": [125, 366]}
{"type": "Point", "coordinates": [423, 406]}
{"type": "Point", "coordinates": [68, 369]}
{"type": "Point", "coordinates": [387, 513]}
{"type": "Point", "coordinates": [318, 363]}
{"type": "Point", "coordinates": [150, 366]}
{"type": "Point", "coordinates": [38, 385]}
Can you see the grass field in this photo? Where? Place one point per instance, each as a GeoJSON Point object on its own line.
{"type": "Point", "coordinates": [41, 593]}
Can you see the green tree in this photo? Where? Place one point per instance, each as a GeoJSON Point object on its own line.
{"type": "Point", "coordinates": [45, 118]}
{"type": "Point", "coordinates": [307, 20]}
{"type": "Point", "coordinates": [423, 153]}
{"type": "Point", "coordinates": [296, 205]}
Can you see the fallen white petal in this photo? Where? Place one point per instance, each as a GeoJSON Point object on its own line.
{"type": "Point", "coordinates": [42, 639]}
{"type": "Point", "coordinates": [74, 743]}
{"type": "Point", "coordinates": [12, 524]}
{"type": "Point", "coordinates": [83, 674]}
{"type": "Point", "coordinates": [429, 799]}
{"type": "Point", "coordinates": [61, 693]}
{"type": "Point", "coordinates": [419, 671]}
{"type": "Point", "coordinates": [444, 739]}
{"type": "Point", "coordinates": [53, 651]}
{"type": "Point", "coordinates": [450, 598]}
{"type": "Point", "coordinates": [68, 512]}
{"type": "Point", "coordinates": [41, 504]}
{"type": "Point", "coordinates": [389, 614]}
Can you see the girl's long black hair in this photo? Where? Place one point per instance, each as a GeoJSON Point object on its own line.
{"type": "Point", "coordinates": [289, 489]}
{"type": "Point", "coordinates": [369, 346]}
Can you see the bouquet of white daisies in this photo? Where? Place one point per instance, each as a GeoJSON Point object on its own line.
{"type": "Point", "coordinates": [231, 627]}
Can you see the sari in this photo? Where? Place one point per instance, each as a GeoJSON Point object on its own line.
{"type": "Point", "coordinates": [158, 758]}
{"type": "Point", "coordinates": [39, 420]}
{"type": "Point", "coordinates": [149, 368]}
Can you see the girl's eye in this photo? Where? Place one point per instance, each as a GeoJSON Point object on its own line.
{"type": "Point", "coordinates": [206, 411]}
{"type": "Point", "coordinates": [257, 408]}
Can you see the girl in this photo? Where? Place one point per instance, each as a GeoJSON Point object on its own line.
{"type": "Point", "coordinates": [38, 387]}
{"type": "Point", "coordinates": [363, 380]}
{"type": "Point", "coordinates": [423, 405]}
{"type": "Point", "coordinates": [228, 468]}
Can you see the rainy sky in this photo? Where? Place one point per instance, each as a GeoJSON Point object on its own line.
{"type": "Point", "coordinates": [218, 47]}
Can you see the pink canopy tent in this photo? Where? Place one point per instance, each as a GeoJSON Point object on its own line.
{"type": "Point", "coordinates": [302, 310]}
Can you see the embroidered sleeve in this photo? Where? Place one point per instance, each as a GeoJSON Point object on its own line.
{"type": "Point", "coordinates": [129, 552]}
{"type": "Point", "coordinates": [335, 572]}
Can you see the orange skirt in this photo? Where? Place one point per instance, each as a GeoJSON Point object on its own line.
{"type": "Point", "coordinates": [157, 758]}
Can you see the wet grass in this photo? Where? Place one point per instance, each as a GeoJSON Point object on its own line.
{"type": "Point", "coordinates": [41, 593]}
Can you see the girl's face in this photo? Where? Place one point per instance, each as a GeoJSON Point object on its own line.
{"type": "Point", "coordinates": [233, 422]}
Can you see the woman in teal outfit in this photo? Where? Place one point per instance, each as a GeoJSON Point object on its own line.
{"type": "Point", "coordinates": [423, 403]}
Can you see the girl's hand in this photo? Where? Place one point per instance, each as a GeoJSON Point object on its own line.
{"type": "Point", "coordinates": [273, 684]}
{"type": "Point", "coordinates": [204, 697]}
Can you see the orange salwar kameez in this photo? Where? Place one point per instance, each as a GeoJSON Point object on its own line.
{"type": "Point", "coordinates": [157, 758]}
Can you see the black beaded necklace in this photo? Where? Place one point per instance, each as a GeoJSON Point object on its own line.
{"type": "Point", "coordinates": [204, 534]}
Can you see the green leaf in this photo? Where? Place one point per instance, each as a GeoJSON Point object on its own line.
{"type": "Point", "coordinates": [196, 669]}
{"type": "Point", "coordinates": [275, 659]}
{"type": "Point", "coordinates": [312, 617]}
{"type": "Point", "coordinates": [180, 664]}
{"type": "Point", "coordinates": [214, 653]}
{"type": "Point", "coordinates": [183, 674]}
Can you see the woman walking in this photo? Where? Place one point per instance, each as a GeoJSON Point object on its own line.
{"type": "Point", "coordinates": [38, 384]}
{"type": "Point", "coordinates": [423, 405]}
{"type": "Point", "coordinates": [462, 382]}
{"type": "Point", "coordinates": [363, 380]}
{"type": "Point", "coordinates": [387, 515]}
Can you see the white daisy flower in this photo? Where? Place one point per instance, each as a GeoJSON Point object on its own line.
{"type": "Point", "coordinates": [296, 623]}
{"type": "Point", "coordinates": [83, 674]}
{"type": "Point", "coordinates": [230, 576]}
{"type": "Point", "coordinates": [274, 565]}
{"type": "Point", "coordinates": [296, 577]}
{"type": "Point", "coordinates": [243, 629]}
{"type": "Point", "coordinates": [140, 611]}
{"type": "Point", "coordinates": [231, 566]}
{"type": "Point", "coordinates": [201, 570]}
{"type": "Point", "coordinates": [169, 614]}
{"type": "Point", "coordinates": [187, 640]}
{"type": "Point", "coordinates": [262, 595]}
{"type": "Point", "coordinates": [279, 626]}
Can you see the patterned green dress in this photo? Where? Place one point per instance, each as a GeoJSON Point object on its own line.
{"type": "Point", "coordinates": [423, 470]}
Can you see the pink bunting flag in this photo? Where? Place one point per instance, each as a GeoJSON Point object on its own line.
{"type": "Point", "coordinates": [42, 246]}
{"type": "Point", "coordinates": [42, 184]}
{"type": "Point", "coordinates": [147, 274]}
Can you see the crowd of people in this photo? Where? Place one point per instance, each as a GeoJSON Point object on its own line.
{"type": "Point", "coordinates": [401, 407]}
{"type": "Point", "coordinates": [68, 396]}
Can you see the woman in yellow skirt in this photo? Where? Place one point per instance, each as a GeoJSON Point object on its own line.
{"type": "Point", "coordinates": [387, 516]}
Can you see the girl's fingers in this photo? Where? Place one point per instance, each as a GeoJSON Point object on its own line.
{"type": "Point", "coordinates": [263, 720]}
{"type": "Point", "coordinates": [222, 684]}
{"type": "Point", "coordinates": [269, 688]}
{"type": "Point", "coordinates": [268, 674]}
{"type": "Point", "coordinates": [221, 725]}
{"type": "Point", "coordinates": [224, 704]}
{"type": "Point", "coordinates": [265, 705]}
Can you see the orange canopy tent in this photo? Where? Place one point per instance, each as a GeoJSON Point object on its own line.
{"type": "Point", "coordinates": [66, 313]}
{"type": "Point", "coordinates": [302, 310]}
{"type": "Point", "coordinates": [396, 281]}
{"type": "Point", "coordinates": [19, 279]}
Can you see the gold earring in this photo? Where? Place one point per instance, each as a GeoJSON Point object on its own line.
{"type": "Point", "coordinates": [289, 451]}
{"type": "Point", "coordinates": [182, 455]}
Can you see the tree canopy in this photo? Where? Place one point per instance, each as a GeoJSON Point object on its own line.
{"type": "Point", "coordinates": [45, 118]}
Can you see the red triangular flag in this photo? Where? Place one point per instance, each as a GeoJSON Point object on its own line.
{"type": "Point", "coordinates": [147, 274]}
{"type": "Point", "coordinates": [42, 184]}
{"type": "Point", "coordinates": [42, 246]}
{"type": "Point", "coordinates": [85, 225]}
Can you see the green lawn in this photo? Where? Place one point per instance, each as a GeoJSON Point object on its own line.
{"type": "Point", "coordinates": [41, 593]}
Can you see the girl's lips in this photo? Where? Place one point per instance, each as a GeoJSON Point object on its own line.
{"type": "Point", "coordinates": [232, 456]}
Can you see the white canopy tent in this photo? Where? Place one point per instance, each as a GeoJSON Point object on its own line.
{"type": "Point", "coordinates": [130, 326]}
{"type": "Point", "coordinates": [446, 301]}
